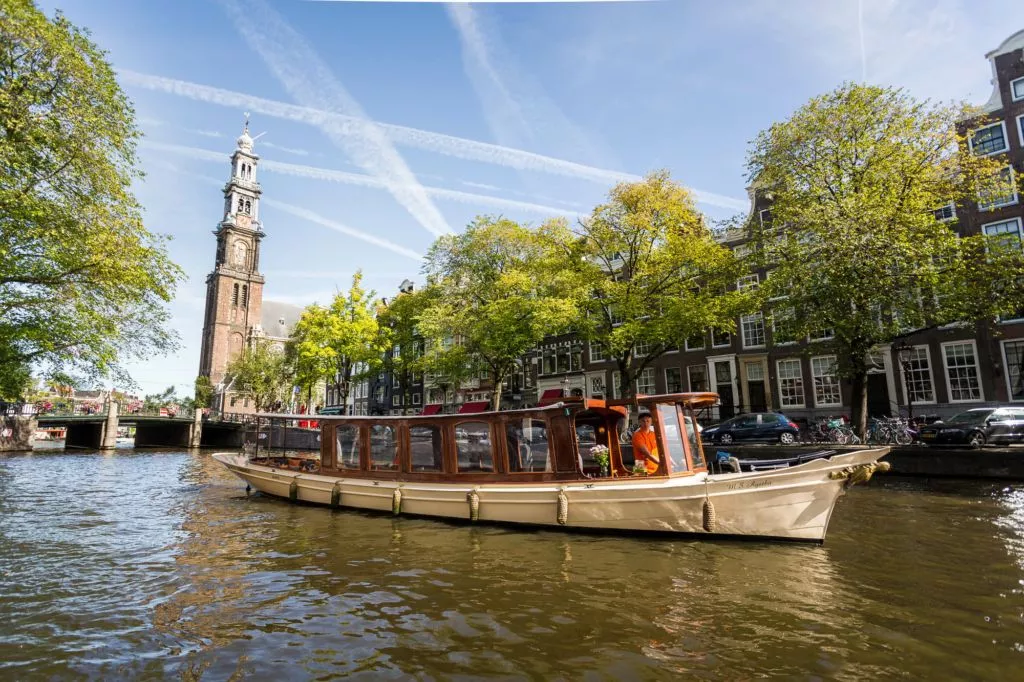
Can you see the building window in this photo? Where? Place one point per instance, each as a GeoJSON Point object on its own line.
{"type": "Point", "coordinates": [921, 389]}
{"type": "Point", "coordinates": [698, 376]}
{"type": "Point", "coordinates": [1013, 360]}
{"type": "Point", "coordinates": [642, 348]}
{"type": "Point", "coordinates": [616, 384]}
{"type": "Point", "coordinates": [783, 320]}
{"type": "Point", "coordinates": [396, 400]}
{"type": "Point", "coordinates": [245, 295]}
{"type": "Point", "coordinates": [234, 400]}
{"type": "Point", "coordinates": [695, 342]}
{"type": "Point", "coordinates": [416, 399]}
{"type": "Point", "coordinates": [824, 335]}
{"type": "Point", "coordinates": [962, 378]}
{"type": "Point", "coordinates": [1005, 232]}
{"type": "Point", "coordinates": [1002, 192]}
{"type": "Point", "coordinates": [720, 339]}
{"type": "Point", "coordinates": [826, 383]}
{"type": "Point", "coordinates": [673, 380]}
{"type": "Point", "coordinates": [234, 295]}
{"type": "Point", "coordinates": [597, 353]}
{"type": "Point", "coordinates": [791, 383]}
{"type": "Point", "coordinates": [989, 140]}
{"type": "Point", "coordinates": [946, 213]}
{"type": "Point", "coordinates": [645, 382]}
{"type": "Point", "coordinates": [765, 216]}
{"type": "Point", "coordinates": [747, 283]}
{"type": "Point", "coordinates": [1020, 128]}
{"type": "Point", "coordinates": [1017, 89]}
{"type": "Point", "coordinates": [742, 251]}
{"type": "Point", "coordinates": [752, 327]}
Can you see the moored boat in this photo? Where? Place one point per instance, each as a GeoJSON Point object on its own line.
{"type": "Point", "coordinates": [545, 467]}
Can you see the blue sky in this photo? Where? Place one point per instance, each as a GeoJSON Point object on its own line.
{"type": "Point", "coordinates": [388, 123]}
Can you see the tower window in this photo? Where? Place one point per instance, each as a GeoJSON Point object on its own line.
{"type": "Point", "coordinates": [245, 295]}
{"type": "Point", "coordinates": [248, 206]}
{"type": "Point", "coordinates": [241, 204]}
{"type": "Point", "coordinates": [234, 295]}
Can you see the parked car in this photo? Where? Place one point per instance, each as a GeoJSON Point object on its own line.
{"type": "Point", "coordinates": [768, 426]}
{"type": "Point", "coordinates": [977, 427]}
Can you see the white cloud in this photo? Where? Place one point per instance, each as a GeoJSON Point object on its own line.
{"type": "Point", "coordinates": [309, 80]}
{"type": "Point", "coordinates": [282, 148]}
{"type": "Point", "coordinates": [519, 111]}
{"type": "Point", "coordinates": [208, 133]}
{"type": "Point", "coordinates": [440, 143]}
{"type": "Point", "coordinates": [363, 180]}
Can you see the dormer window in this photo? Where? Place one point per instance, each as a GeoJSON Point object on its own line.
{"type": "Point", "coordinates": [989, 140]}
{"type": "Point", "coordinates": [1017, 89]}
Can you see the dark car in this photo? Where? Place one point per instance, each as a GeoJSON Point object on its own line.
{"type": "Point", "coordinates": [977, 427]}
{"type": "Point", "coordinates": [754, 426]}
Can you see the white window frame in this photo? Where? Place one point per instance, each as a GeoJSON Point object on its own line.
{"type": "Point", "coordinates": [703, 342]}
{"type": "Point", "coordinates": [760, 215]}
{"type": "Point", "coordinates": [1020, 129]}
{"type": "Point", "coordinates": [977, 369]}
{"type": "Point", "coordinates": [645, 374]}
{"type": "Point", "coordinates": [931, 377]}
{"type": "Point", "coordinates": [416, 399]}
{"type": "Point", "coordinates": [721, 345]}
{"type": "Point", "coordinates": [678, 369]}
{"type": "Point", "coordinates": [1013, 184]}
{"type": "Point", "coordinates": [1006, 142]}
{"type": "Point", "coordinates": [776, 342]}
{"type": "Point", "coordinates": [839, 384]}
{"type": "Point", "coordinates": [952, 207]}
{"type": "Point", "coordinates": [1013, 95]}
{"type": "Point", "coordinates": [396, 400]}
{"type": "Point", "coordinates": [829, 337]}
{"type": "Point", "coordinates": [1020, 228]}
{"type": "Point", "coordinates": [743, 331]}
{"type": "Point", "coordinates": [747, 282]}
{"type": "Point", "coordinates": [616, 384]}
{"type": "Point", "coordinates": [646, 345]}
{"type": "Point", "coordinates": [742, 250]}
{"type": "Point", "coordinates": [599, 356]}
{"type": "Point", "coordinates": [1006, 369]}
{"type": "Point", "coordinates": [778, 381]}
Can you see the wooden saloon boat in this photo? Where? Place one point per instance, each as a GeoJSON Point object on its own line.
{"type": "Point", "coordinates": [536, 467]}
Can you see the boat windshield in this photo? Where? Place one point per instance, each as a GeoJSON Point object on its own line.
{"type": "Point", "coordinates": [669, 416]}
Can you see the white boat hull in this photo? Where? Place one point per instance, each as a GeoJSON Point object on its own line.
{"type": "Point", "coordinates": [794, 503]}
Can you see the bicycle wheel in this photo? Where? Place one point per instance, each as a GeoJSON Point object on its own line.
{"type": "Point", "coordinates": [836, 436]}
{"type": "Point", "coordinates": [904, 438]}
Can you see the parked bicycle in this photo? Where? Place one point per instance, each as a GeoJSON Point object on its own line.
{"type": "Point", "coordinates": [890, 430]}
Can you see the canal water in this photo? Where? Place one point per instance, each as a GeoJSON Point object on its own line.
{"type": "Point", "coordinates": [155, 565]}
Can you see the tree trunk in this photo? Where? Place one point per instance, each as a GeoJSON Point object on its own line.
{"type": "Point", "coordinates": [496, 395]}
{"type": "Point", "coordinates": [859, 401]}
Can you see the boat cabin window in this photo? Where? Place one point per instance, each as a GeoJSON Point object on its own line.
{"type": "Point", "coordinates": [383, 448]}
{"type": "Point", "coordinates": [586, 438]}
{"type": "Point", "coordinates": [668, 415]}
{"type": "Point", "coordinates": [696, 451]}
{"type": "Point", "coordinates": [473, 444]}
{"type": "Point", "coordinates": [425, 453]}
{"type": "Point", "coordinates": [528, 445]}
{"type": "Point", "coordinates": [347, 438]}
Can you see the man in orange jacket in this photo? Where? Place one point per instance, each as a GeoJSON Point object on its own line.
{"type": "Point", "coordinates": [645, 444]}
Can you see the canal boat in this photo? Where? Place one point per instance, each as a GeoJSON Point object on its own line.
{"type": "Point", "coordinates": [565, 465]}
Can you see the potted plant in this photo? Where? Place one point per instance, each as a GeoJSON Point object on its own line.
{"type": "Point", "coordinates": [600, 455]}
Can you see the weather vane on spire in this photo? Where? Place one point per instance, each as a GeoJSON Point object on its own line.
{"type": "Point", "coordinates": [247, 121]}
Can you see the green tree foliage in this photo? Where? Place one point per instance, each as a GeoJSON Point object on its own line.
{"type": "Point", "coordinates": [154, 401]}
{"type": "Point", "coordinates": [342, 342]}
{"type": "Point", "coordinates": [16, 381]}
{"type": "Point", "coordinates": [203, 393]}
{"type": "Point", "coordinates": [260, 373]}
{"type": "Point", "coordinates": [655, 274]}
{"type": "Point", "coordinates": [500, 289]}
{"type": "Point", "coordinates": [854, 177]}
{"type": "Point", "coordinates": [399, 319]}
{"type": "Point", "coordinates": [83, 284]}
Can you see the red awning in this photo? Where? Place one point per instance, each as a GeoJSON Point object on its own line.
{"type": "Point", "coordinates": [434, 408]}
{"type": "Point", "coordinates": [549, 397]}
{"type": "Point", "coordinates": [477, 406]}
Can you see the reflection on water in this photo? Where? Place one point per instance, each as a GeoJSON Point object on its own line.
{"type": "Point", "coordinates": [154, 565]}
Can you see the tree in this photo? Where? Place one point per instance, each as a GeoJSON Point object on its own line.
{"type": "Point", "coordinates": [154, 401]}
{"type": "Point", "coordinates": [260, 373]}
{"type": "Point", "coordinates": [203, 393]}
{"type": "Point", "coordinates": [500, 289]}
{"type": "Point", "coordinates": [83, 284]}
{"type": "Point", "coordinates": [854, 243]}
{"type": "Point", "coordinates": [655, 274]}
{"type": "Point", "coordinates": [399, 319]}
{"type": "Point", "coordinates": [342, 342]}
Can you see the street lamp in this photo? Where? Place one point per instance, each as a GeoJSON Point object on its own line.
{"type": "Point", "coordinates": [904, 353]}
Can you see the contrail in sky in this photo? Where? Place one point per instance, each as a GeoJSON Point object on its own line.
{"type": "Point", "coordinates": [308, 79]}
{"type": "Point", "coordinates": [361, 180]}
{"type": "Point", "coordinates": [448, 145]}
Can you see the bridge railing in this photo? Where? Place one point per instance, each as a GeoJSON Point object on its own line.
{"type": "Point", "coordinates": [17, 409]}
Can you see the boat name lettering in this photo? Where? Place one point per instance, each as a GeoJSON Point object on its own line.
{"type": "Point", "coordinates": [743, 485]}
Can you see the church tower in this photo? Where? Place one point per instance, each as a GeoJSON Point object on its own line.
{"type": "Point", "coordinates": [234, 290]}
